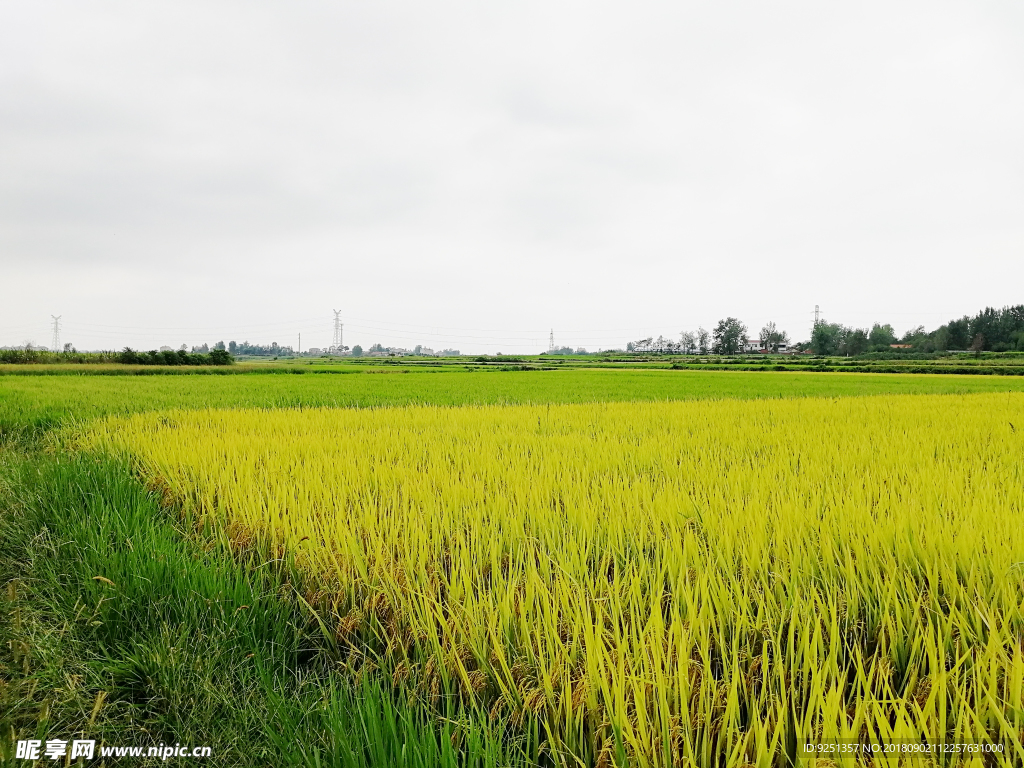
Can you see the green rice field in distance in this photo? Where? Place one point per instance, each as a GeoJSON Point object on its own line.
{"type": "Point", "coordinates": [29, 404]}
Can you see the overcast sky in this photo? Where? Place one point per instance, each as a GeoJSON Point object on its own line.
{"type": "Point", "coordinates": [472, 175]}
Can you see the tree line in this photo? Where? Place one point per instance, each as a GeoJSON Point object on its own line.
{"type": "Point", "coordinates": [729, 337]}
{"type": "Point", "coordinates": [30, 355]}
{"type": "Point", "coordinates": [255, 350]}
{"type": "Point", "coordinates": [129, 356]}
{"type": "Point", "coordinates": [990, 330]}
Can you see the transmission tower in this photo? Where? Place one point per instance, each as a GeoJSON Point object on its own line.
{"type": "Point", "coordinates": [55, 344]}
{"type": "Point", "coordinates": [551, 341]}
{"type": "Point", "coordinates": [338, 325]}
{"type": "Point", "coordinates": [816, 320]}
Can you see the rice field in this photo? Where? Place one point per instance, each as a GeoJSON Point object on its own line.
{"type": "Point", "coordinates": [706, 582]}
{"type": "Point", "coordinates": [32, 404]}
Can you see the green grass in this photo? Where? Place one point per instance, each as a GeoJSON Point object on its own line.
{"type": "Point", "coordinates": [116, 626]}
{"type": "Point", "coordinates": [31, 404]}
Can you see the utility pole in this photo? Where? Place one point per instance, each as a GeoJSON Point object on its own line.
{"type": "Point", "coordinates": [55, 344]}
{"type": "Point", "coordinates": [300, 343]}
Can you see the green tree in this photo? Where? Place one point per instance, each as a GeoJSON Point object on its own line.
{"type": "Point", "coordinates": [827, 338]}
{"type": "Point", "coordinates": [958, 334]}
{"type": "Point", "coordinates": [357, 351]}
{"type": "Point", "coordinates": [703, 341]}
{"type": "Point", "coordinates": [771, 337]}
{"type": "Point", "coordinates": [913, 336]}
{"type": "Point", "coordinates": [856, 342]}
{"type": "Point", "coordinates": [881, 337]}
{"type": "Point", "coordinates": [728, 336]}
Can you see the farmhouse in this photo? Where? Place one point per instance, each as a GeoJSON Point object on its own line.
{"type": "Point", "coordinates": [754, 345]}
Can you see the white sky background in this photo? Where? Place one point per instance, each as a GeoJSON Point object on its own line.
{"type": "Point", "coordinates": [473, 174]}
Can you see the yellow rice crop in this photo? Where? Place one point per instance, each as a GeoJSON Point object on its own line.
{"type": "Point", "coordinates": [704, 583]}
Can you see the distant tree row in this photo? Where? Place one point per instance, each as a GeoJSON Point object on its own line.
{"type": "Point", "coordinates": [566, 351]}
{"type": "Point", "coordinates": [728, 338]}
{"type": "Point", "coordinates": [28, 355]}
{"type": "Point", "coordinates": [991, 330]}
{"type": "Point", "coordinates": [31, 355]}
{"type": "Point", "coordinates": [380, 349]}
{"type": "Point", "coordinates": [174, 357]}
{"type": "Point", "coordinates": [836, 339]}
{"type": "Point", "coordinates": [255, 350]}
{"type": "Point", "coordinates": [656, 346]}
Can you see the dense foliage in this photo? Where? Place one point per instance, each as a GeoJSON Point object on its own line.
{"type": "Point", "coordinates": [998, 330]}
{"type": "Point", "coordinates": [174, 357]}
{"type": "Point", "coordinates": [995, 330]}
{"type": "Point", "coordinates": [126, 356]}
{"type": "Point", "coordinates": [29, 355]}
{"type": "Point", "coordinates": [258, 350]}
